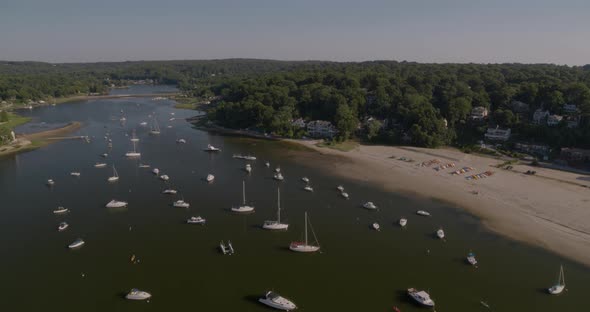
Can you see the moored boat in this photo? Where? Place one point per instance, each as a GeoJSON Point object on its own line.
{"type": "Point", "coordinates": [180, 204]}
{"type": "Point", "coordinates": [305, 246]}
{"type": "Point", "coordinates": [305, 179]}
{"type": "Point", "coordinates": [244, 208]}
{"type": "Point", "coordinates": [136, 294]}
{"type": "Point", "coordinates": [75, 174]}
{"type": "Point", "coordinates": [376, 226]}
{"type": "Point", "coordinates": [196, 220]}
{"type": "Point", "coordinates": [440, 233]}
{"type": "Point", "coordinates": [211, 148]}
{"type": "Point", "coordinates": [116, 204]}
{"type": "Point", "coordinates": [164, 177]}
{"type": "Point", "coordinates": [276, 224]}
{"type": "Point", "coordinates": [50, 182]}
{"type": "Point", "coordinates": [560, 286]}
{"type": "Point", "coordinates": [308, 188]}
{"type": "Point", "coordinates": [77, 243]}
{"type": "Point", "coordinates": [61, 210]}
{"type": "Point", "coordinates": [471, 259]}
{"type": "Point", "coordinates": [423, 213]}
{"type": "Point", "coordinates": [278, 176]}
{"type": "Point", "coordinates": [63, 226]}
{"type": "Point", "coordinates": [369, 205]}
{"type": "Point", "coordinates": [100, 165]}
{"type": "Point", "coordinates": [169, 191]}
{"type": "Point", "coordinates": [278, 302]}
{"type": "Point", "coordinates": [403, 222]}
{"type": "Point", "coordinates": [210, 178]}
{"type": "Point", "coordinates": [421, 297]}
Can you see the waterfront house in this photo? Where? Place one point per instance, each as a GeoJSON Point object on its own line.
{"type": "Point", "coordinates": [575, 156]}
{"type": "Point", "coordinates": [519, 107]}
{"type": "Point", "coordinates": [540, 116]}
{"type": "Point", "coordinates": [497, 134]}
{"type": "Point", "coordinates": [534, 149]}
{"type": "Point", "coordinates": [321, 129]}
{"type": "Point", "coordinates": [570, 109]}
{"type": "Point", "coordinates": [479, 113]}
{"type": "Point", "coordinates": [298, 123]}
{"type": "Point", "coordinates": [572, 121]}
{"type": "Point", "coordinates": [554, 120]}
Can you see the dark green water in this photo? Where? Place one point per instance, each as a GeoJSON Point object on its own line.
{"type": "Point", "coordinates": [358, 270]}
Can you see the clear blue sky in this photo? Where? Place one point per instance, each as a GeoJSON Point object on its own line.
{"type": "Point", "coordinates": [490, 31]}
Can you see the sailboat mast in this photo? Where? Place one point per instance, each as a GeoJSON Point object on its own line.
{"type": "Point", "coordinates": [306, 228]}
{"type": "Point", "coordinates": [279, 205]}
{"type": "Point", "coordinates": [244, 192]}
{"type": "Point", "coordinates": [561, 276]}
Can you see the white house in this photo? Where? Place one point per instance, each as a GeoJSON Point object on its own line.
{"type": "Point", "coordinates": [479, 113]}
{"type": "Point", "coordinates": [554, 120]}
{"type": "Point", "coordinates": [540, 116]}
{"type": "Point", "coordinates": [497, 134]}
{"type": "Point", "coordinates": [321, 129]}
{"type": "Point", "coordinates": [570, 108]}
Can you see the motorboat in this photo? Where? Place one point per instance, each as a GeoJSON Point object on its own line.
{"type": "Point", "coordinates": [136, 294]}
{"type": "Point", "coordinates": [276, 224]}
{"type": "Point", "coordinates": [115, 176]}
{"type": "Point", "coordinates": [308, 188]}
{"type": "Point", "coordinates": [123, 119]}
{"type": "Point", "coordinates": [211, 148]}
{"type": "Point", "coordinates": [376, 226]}
{"type": "Point", "coordinates": [143, 123]}
{"type": "Point", "coordinates": [267, 164]}
{"type": "Point", "coordinates": [276, 301]}
{"type": "Point", "coordinates": [369, 205]}
{"type": "Point", "coordinates": [340, 188]}
{"type": "Point", "coordinates": [471, 259]}
{"type": "Point", "coordinates": [76, 244]}
{"type": "Point", "coordinates": [305, 179]}
{"type": "Point", "coordinates": [210, 178]}
{"type": "Point", "coordinates": [278, 169]}
{"type": "Point", "coordinates": [305, 246]}
{"type": "Point", "coordinates": [169, 192]}
{"type": "Point", "coordinates": [196, 220]}
{"type": "Point", "coordinates": [50, 182]}
{"type": "Point", "coordinates": [181, 141]}
{"type": "Point", "coordinates": [248, 168]}
{"type": "Point", "coordinates": [180, 204]}
{"type": "Point", "coordinates": [116, 204]}
{"type": "Point", "coordinates": [344, 194]}
{"type": "Point", "coordinates": [100, 165]}
{"type": "Point", "coordinates": [61, 210]}
{"type": "Point", "coordinates": [105, 155]}
{"type": "Point", "coordinates": [423, 213]}
{"type": "Point", "coordinates": [421, 297]}
{"type": "Point", "coordinates": [278, 176]}
{"type": "Point", "coordinates": [164, 177]}
{"type": "Point", "coordinates": [244, 208]}
{"type": "Point", "coordinates": [156, 171]}
{"type": "Point", "coordinates": [560, 286]}
{"type": "Point", "coordinates": [440, 233]}
{"type": "Point", "coordinates": [403, 222]}
{"type": "Point", "coordinates": [75, 174]}
{"type": "Point", "coordinates": [144, 165]}
{"type": "Point", "coordinates": [63, 226]}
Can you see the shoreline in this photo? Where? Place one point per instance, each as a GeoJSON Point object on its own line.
{"type": "Point", "coordinates": [31, 141]}
{"type": "Point", "coordinates": [550, 210]}
{"type": "Point", "coordinates": [96, 97]}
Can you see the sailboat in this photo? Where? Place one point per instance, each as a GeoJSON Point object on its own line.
{"type": "Point", "coordinates": [134, 137]}
{"type": "Point", "coordinates": [305, 246]}
{"type": "Point", "coordinates": [276, 224]}
{"type": "Point", "coordinates": [155, 128]}
{"type": "Point", "coordinates": [134, 153]}
{"type": "Point", "coordinates": [115, 176]}
{"type": "Point", "coordinates": [560, 286]}
{"type": "Point", "coordinates": [243, 208]}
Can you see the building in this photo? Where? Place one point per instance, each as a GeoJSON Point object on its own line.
{"type": "Point", "coordinates": [570, 109]}
{"type": "Point", "coordinates": [554, 120]}
{"type": "Point", "coordinates": [534, 149]}
{"type": "Point", "coordinates": [575, 156]}
{"type": "Point", "coordinates": [321, 129]}
{"type": "Point", "coordinates": [519, 107]}
{"type": "Point", "coordinates": [540, 116]}
{"type": "Point", "coordinates": [479, 113]}
{"type": "Point", "coordinates": [497, 134]}
{"type": "Point", "coordinates": [572, 121]}
{"type": "Point", "coordinates": [298, 123]}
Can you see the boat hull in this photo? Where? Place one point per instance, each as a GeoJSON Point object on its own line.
{"type": "Point", "coordinates": [303, 248]}
{"type": "Point", "coordinates": [272, 304]}
{"type": "Point", "coordinates": [275, 226]}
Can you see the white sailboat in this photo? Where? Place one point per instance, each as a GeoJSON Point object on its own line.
{"type": "Point", "coordinates": [61, 210]}
{"type": "Point", "coordinates": [100, 165]}
{"type": "Point", "coordinates": [560, 286]}
{"type": "Point", "coordinates": [116, 204]}
{"type": "Point", "coordinates": [440, 233]}
{"type": "Point", "coordinates": [278, 176]}
{"type": "Point", "coordinates": [376, 226]}
{"type": "Point", "coordinates": [369, 205]}
{"type": "Point", "coordinates": [211, 148]}
{"type": "Point", "coordinates": [75, 174]}
{"type": "Point", "coordinates": [155, 128]}
{"type": "Point", "coordinates": [210, 178]}
{"type": "Point", "coordinates": [248, 168]}
{"type": "Point", "coordinates": [77, 243]}
{"type": "Point", "coordinates": [136, 294]}
{"type": "Point", "coordinates": [403, 222]}
{"type": "Point", "coordinates": [164, 177]}
{"type": "Point", "coordinates": [63, 226]}
{"type": "Point", "coordinates": [169, 191]}
{"type": "Point", "coordinates": [276, 224]}
{"type": "Point", "coordinates": [305, 246]}
{"type": "Point", "coordinates": [50, 182]}
{"type": "Point", "coordinates": [423, 213]}
{"type": "Point", "coordinates": [243, 208]}
{"type": "Point", "coordinates": [274, 300]}
{"type": "Point", "coordinates": [156, 171]}
{"type": "Point", "coordinates": [134, 153]}
{"type": "Point", "coordinates": [308, 188]}
{"type": "Point", "coordinates": [134, 137]}
{"type": "Point", "coordinates": [305, 179]}
{"type": "Point", "coordinates": [115, 176]}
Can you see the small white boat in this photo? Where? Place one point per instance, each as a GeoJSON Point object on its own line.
{"type": "Point", "coordinates": [75, 174]}
{"type": "Point", "coordinates": [135, 153]}
{"type": "Point", "coordinates": [244, 208]}
{"type": "Point", "coordinates": [471, 259]}
{"type": "Point", "coordinates": [77, 243]}
{"type": "Point", "coordinates": [276, 224]}
{"type": "Point", "coordinates": [181, 141]}
{"type": "Point", "coordinates": [267, 164]}
{"type": "Point", "coordinates": [369, 205]}
{"type": "Point", "coordinates": [278, 177]}
{"type": "Point", "coordinates": [123, 119]}
{"type": "Point", "coordinates": [63, 226]}
{"type": "Point", "coordinates": [305, 246]}
{"type": "Point", "coordinates": [61, 210]}
{"type": "Point", "coordinates": [560, 286]}
{"type": "Point", "coordinates": [196, 220]}
{"type": "Point", "coordinates": [155, 128]}
{"type": "Point", "coordinates": [100, 165]}
{"type": "Point", "coordinates": [278, 169]}
{"type": "Point", "coordinates": [376, 226]}
{"type": "Point", "coordinates": [156, 171]}
{"type": "Point", "coordinates": [211, 148]}
{"type": "Point", "coordinates": [143, 123]}
{"type": "Point", "coordinates": [308, 188]}
{"type": "Point", "coordinates": [105, 155]}
{"type": "Point", "coordinates": [423, 213]}
{"type": "Point", "coordinates": [136, 294]}
{"type": "Point", "coordinates": [440, 233]}
{"type": "Point", "coordinates": [50, 182]}
{"type": "Point", "coordinates": [210, 178]}
{"type": "Point", "coordinates": [245, 157]}
{"type": "Point", "coordinates": [164, 177]}
{"type": "Point", "coordinates": [403, 222]}
{"type": "Point", "coordinates": [115, 176]}
{"type": "Point", "coordinates": [144, 166]}
{"type": "Point", "coordinates": [116, 204]}
{"type": "Point", "coordinates": [169, 191]}
{"type": "Point", "coordinates": [180, 204]}
{"type": "Point", "coordinates": [340, 188]}
{"type": "Point", "coordinates": [344, 194]}
{"type": "Point", "coordinates": [305, 179]}
{"type": "Point", "coordinates": [421, 297]}
{"type": "Point", "coordinates": [274, 300]}
{"type": "Point", "coordinates": [248, 168]}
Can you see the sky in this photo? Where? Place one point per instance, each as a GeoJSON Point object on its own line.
{"type": "Point", "coordinates": [441, 31]}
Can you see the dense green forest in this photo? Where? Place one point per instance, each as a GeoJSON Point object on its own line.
{"type": "Point", "coordinates": [382, 101]}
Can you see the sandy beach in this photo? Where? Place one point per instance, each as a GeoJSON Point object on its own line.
{"type": "Point", "coordinates": [26, 142]}
{"type": "Point", "coordinates": [550, 209]}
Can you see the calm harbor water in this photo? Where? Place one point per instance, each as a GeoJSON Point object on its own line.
{"type": "Point", "coordinates": [358, 269]}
